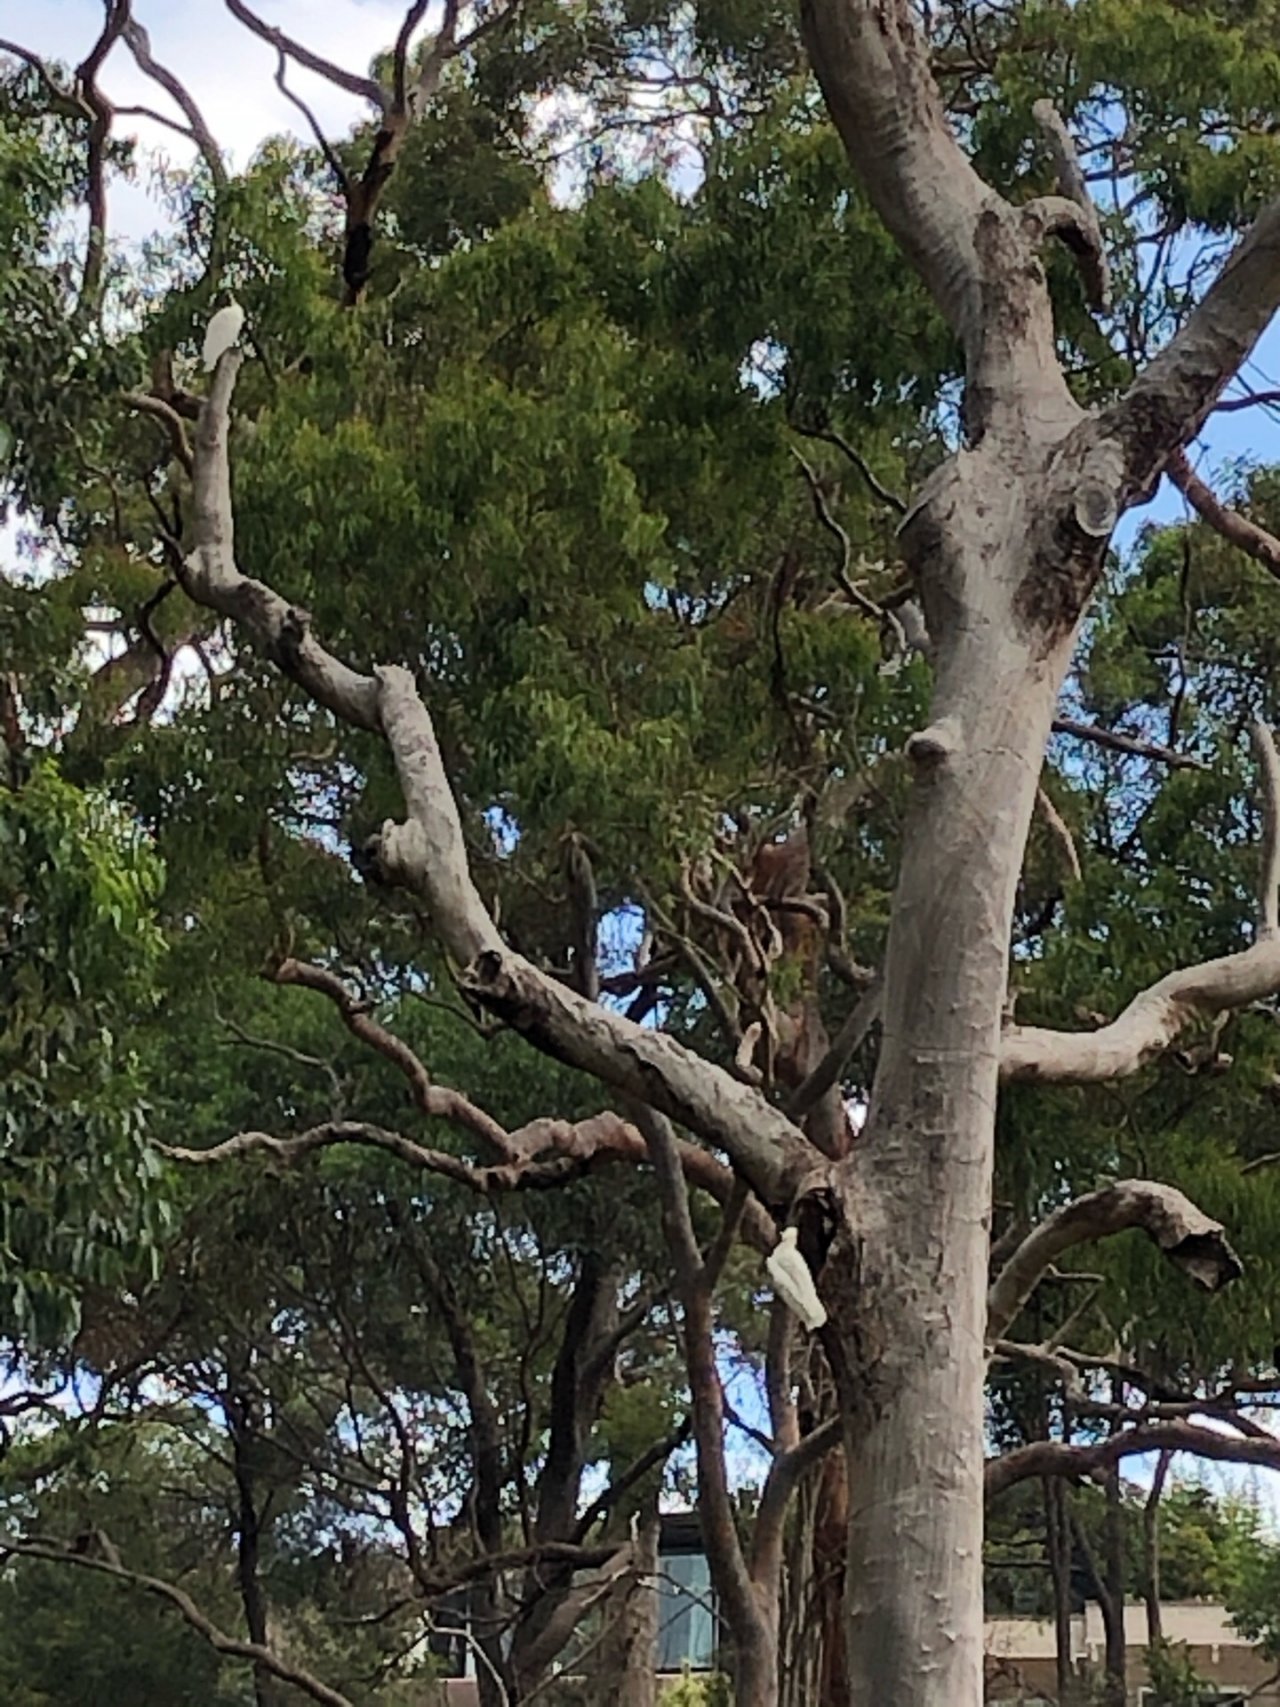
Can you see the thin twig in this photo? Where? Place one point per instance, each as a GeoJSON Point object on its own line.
{"type": "Point", "coordinates": [830, 436]}
{"type": "Point", "coordinates": [1121, 743]}
{"type": "Point", "coordinates": [322, 141]}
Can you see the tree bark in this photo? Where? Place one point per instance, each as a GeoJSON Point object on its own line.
{"type": "Point", "coordinates": [1117, 1647]}
{"type": "Point", "coordinates": [1151, 1550]}
{"type": "Point", "coordinates": [1004, 545]}
{"type": "Point", "coordinates": [1058, 1545]}
{"type": "Point", "coordinates": [908, 1269]}
{"type": "Point", "coordinates": [238, 1410]}
{"type": "Point", "coordinates": [628, 1670]}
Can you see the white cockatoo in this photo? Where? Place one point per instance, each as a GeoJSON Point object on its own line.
{"type": "Point", "coordinates": [792, 1281]}
{"type": "Point", "coordinates": [221, 333]}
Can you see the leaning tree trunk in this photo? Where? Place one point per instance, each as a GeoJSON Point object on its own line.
{"type": "Point", "coordinates": [909, 1289]}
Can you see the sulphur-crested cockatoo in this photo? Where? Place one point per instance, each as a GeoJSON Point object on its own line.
{"type": "Point", "coordinates": [792, 1281]}
{"type": "Point", "coordinates": [221, 333]}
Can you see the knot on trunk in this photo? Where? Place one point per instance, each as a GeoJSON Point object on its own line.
{"type": "Point", "coordinates": [929, 748]}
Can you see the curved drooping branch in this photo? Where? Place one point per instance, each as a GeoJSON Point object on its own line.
{"type": "Point", "coordinates": [1188, 1237]}
{"type": "Point", "coordinates": [106, 1561]}
{"type": "Point", "coordinates": [1237, 530]}
{"type": "Point", "coordinates": [1057, 1458]}
{"type": "Point", "coordinates": [140, 46]}
{"type": "Point", "coordinates": [1071, 214]}
{"type": "Point", "coordinates": [1156, 1017]}
{"type": "Point", "coordinates": [427, 854]}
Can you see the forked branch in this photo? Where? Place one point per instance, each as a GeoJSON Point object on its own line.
{"type": "Point", "coordinates": [397, 109]}
{"type": "Point", "coordinates": [1071, 215]}
{"type": "Point", "coordinates": [427, 854]}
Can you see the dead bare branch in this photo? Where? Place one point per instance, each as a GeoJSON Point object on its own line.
{"type": "Point", "coordinates": [366, 88]}
{"type": "Point", "coordinates": [1121, 743]}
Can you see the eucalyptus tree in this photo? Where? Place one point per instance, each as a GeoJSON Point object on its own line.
{"type": "Point", "coordinates": [714, 564]}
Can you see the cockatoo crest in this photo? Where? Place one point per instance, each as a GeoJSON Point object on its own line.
{"type": "Point", "coordinates": [792, 1281]}
{"type": "Point", "coordinates": [221, 333]}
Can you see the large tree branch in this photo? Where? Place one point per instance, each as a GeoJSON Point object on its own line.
{"type": "Point", "coordinates": [1155, 1018]}
{"type": "Point", "coordinates": [262, 1657]}
{"type": "Point", "coordinates": [874, 72]}
{"type": "Point", "coordinates": [95, 254]}
{"type": "Point", "coordinates": [1187, 1236]}
{"type": "Point", "coordinates": [1152, 1021]}
{"type": "Point", "coordinates": [434, 1100]}
{"type": "Point", "coordinates": [1056, 1458]}
{"type": "Point", "coordinates": [576, 1148]}
{"type": "Point", "coordinates": [427, 854]}
{"type": "Point", "coordinates": [1169, 401]}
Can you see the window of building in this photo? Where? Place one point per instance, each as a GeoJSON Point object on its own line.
{"type": "Point", "coordinates": [686, 1613]}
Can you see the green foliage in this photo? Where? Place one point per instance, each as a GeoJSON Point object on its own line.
{"type": "Point", "coordinates": [696, 1689]}
{"type": "Point", "coordinates": [1172, 1678]}
{"type": "Point", "coordinates": [79, 954]}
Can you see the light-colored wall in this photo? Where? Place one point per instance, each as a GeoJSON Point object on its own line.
{"type": "Point", "coordinates": [1021, 1652]}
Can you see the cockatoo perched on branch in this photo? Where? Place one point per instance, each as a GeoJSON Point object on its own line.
{"type": "Point", "coordinates": [792, 1281]}
{"type": "Point", "coordinates": [221, 333]}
